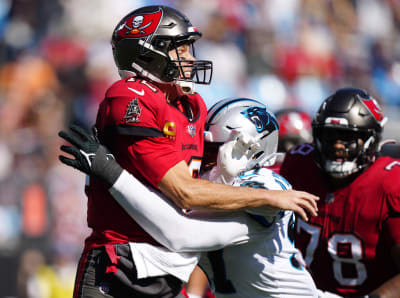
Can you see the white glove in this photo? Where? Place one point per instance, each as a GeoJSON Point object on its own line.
{"type": "Point", "coordinates": [235, 154]}
{"type": "Point", "coordinates": [325, 294]}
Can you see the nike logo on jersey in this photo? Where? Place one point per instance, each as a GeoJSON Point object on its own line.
{"type": "Point", "coordinates": [140, 93]}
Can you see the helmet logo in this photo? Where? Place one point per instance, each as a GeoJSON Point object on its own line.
{"type": "Point", "coordinates": [138, 26]}
{"type": "Point", "coordinates": [133, 111]}
{"type": "Point", "coordinates": [373, 106]}
{"type": "Point", "coordinates": [261, 119]}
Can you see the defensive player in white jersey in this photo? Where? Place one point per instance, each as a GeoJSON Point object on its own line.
{"type": "Point", "coordinates": [247, 253]}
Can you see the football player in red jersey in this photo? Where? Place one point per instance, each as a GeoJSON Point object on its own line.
{"type": "Point", "coordinates": [152, 121]}
{"type": "Point", "coordinates": [294, 128]}
{"type": "Point", "coordinates": [353, 246]}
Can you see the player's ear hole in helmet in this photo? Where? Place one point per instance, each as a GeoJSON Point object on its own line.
{"type": "Point", "coordinates": [347, 131]}
{"type": "Point", "coordinates": [143, 39]}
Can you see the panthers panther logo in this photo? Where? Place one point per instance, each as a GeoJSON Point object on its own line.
{"type": "Point", "coordinates": [261, 118]}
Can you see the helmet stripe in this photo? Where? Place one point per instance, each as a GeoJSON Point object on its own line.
{"type": "Point", "coordinates": [227, 104]}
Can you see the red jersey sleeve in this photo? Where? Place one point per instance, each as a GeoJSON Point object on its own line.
{"type": "Point", "coordinates": [131, 122]}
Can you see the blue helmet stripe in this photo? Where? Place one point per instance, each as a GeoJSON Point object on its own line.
{"type": "Point", "coordinates": [228, 103]}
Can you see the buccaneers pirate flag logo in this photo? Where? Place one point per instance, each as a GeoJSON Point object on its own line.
{"type": "Point", "coordinates": [374, 108]}
{"type": "Point", "coordinates": [132, 112]}
{"type": "Point", "coordinates": [138, 26]}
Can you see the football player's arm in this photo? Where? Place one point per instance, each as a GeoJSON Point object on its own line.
{"type": "Point", "coordinates": [179, 186]}
{"type": "Point", "coordinates": [189, 193]}
{"type": "Point", "coordinates": [175, 230]}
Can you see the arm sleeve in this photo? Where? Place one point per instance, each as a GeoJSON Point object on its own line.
{"type": "Point", "coordinates": [176, 230]}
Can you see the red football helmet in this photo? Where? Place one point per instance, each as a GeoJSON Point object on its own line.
{"type": "Point", "coordinates": [294, 128]}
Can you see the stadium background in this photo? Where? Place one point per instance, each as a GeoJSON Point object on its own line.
{"type": "Point", "coordinates": [56, 63]}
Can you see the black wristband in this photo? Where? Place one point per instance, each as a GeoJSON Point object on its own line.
{"type": "Point", "coordinates": [112, 173]}
{"type": "Point", "coordinates": [106, 167]}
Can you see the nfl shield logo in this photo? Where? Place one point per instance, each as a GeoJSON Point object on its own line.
{"type": "Point", "coordinates": [191, 130]}
{"type": "Point", "coordinates": [329, 198]}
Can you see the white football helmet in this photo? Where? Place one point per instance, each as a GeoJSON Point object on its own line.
{"type": "Point", "coordinates": [248, 119]}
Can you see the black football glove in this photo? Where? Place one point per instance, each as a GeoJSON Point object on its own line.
{"type": "Point", "coordinates": [91, 157]}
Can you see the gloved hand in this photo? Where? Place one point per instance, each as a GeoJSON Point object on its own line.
{"type": "Point", "coordinates": [326, 294]}
{"type": "Point", "coordinates": [91, 157]}
{"type": "Point", "coordinates": [235, 154]}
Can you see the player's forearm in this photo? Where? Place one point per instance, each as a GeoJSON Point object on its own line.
{"type": "Point", "coordinates": [169, 226]}
{"type": "Point", "coordinates": [190, 193]}
{"type": "Point", "coordinates": [203, 194]}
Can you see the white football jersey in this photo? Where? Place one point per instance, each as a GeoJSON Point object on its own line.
{"type": "Point", "coordinates": [268, 265]}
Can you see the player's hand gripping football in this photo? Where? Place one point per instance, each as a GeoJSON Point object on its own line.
{"type": "Point", "coordinates": [91, 157]}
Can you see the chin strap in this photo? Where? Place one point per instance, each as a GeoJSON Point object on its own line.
{"type": "Point", "coordinates": [186, 87]}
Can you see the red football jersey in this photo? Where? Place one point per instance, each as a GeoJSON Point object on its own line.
{"type": "Point", "coordinates": [347, 246]}
{"type": "Point", "coordinates": [148, 136]}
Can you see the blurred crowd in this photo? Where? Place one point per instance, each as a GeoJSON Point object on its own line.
{"type": "Point", "coordinates": [56, 63]}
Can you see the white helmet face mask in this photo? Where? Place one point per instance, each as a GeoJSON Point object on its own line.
{"type": "Point", "coordinates": [340, 169]}
{"type": "Point", "coordinates": [249, 126]}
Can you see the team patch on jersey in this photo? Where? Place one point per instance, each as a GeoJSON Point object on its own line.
{"type": "Point", "coordinates": [191, 130]}
{"type": "Point", "coordinates": [169, 130]}
{"type": "Point", "coordinates": [133, 111]}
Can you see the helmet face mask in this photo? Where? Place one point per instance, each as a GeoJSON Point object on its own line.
{"type": "Point", "coordinates": [344, 151]}
{"type": "Point", "coordinates": [252, 120]}
{"type": "Point", "coordinates": [143, 40]}
{"type": "Point", "coordinates": [346, 131]}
